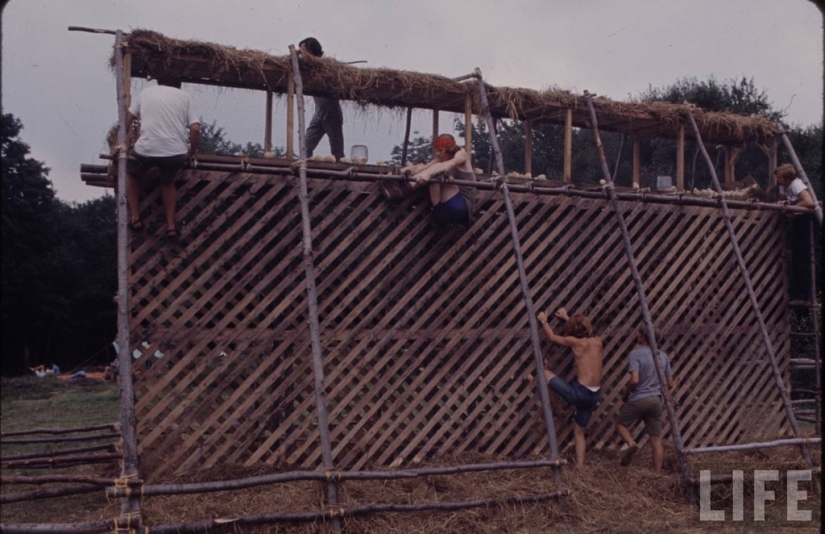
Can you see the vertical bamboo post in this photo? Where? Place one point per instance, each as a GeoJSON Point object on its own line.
{"type": "Point", "coordinates": [777, 375]}
{"type": "Point", "coordinates": [290, 118]}
{"type": "Point", "coordinates": [528, 147]}
{"type": "Point", "coordinates": [729, 167]}
{"type": "Point", "coordinates": [680, 158]}
{"type": "Point", "coordinates": [547, 410]}
{"type": "Point", "coordinates": [314, 324]}
{"type": "Point", "coordinates": [468, 125]}
{"type": "Point", "coordinates": [127, 81]}
{"type": "Point", "coordinates": [636, 164]}
{"type": "Point", "coordinates": [640, 291]}
{"type": "Point", "coordinates": [568, 145]}
{"type": "Point", "coordinates": [772, 162]}
{"type": "Point", "coordinates": [801, 172]}
{"type": "Point", "coordinates": [815, 313]}
{"type": "Point", "coordinates": [129, 467]}
{"type": "Point", "coordinates": [268, 131]}
{"type": "Point", "coordinates": [435, 129]}
{"type": "Point", "coordinates": [406, 137]}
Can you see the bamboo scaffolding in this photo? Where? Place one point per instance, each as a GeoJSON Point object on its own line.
{"type": "Point", "coordinates": [468, 125]}
{"type": "Point", "coordinates": [801, 172]}
{"type": "Point", "coordinates": [129, 467]}
{"type": "Point", "coordinates": [65, 439]}
{"type": "Point", "coordinates": [783, 393]}
{"type": "Point", "coordinates": [640, 291]}
{"type": "Point", "coordinates": [816, 326]}
{"type": "Point", "coordinates": [533, 187]}
{"type": "Point", "coordinates": [63, 452]}
{"type": "Point", "coordinates": [312, 296]}
{"type": "Point", "coordinates": [547, 410]}
{"type": "Point", "coordinates": [47, 493]}
{"type": "Point", "coordinates": [113, 426]}
{"type": "Point", "coordinates": [753, 446]}
{"type": "Point", "coordinates": [292, 476]}
{"type": "Point", "coordinates": [268, 124]}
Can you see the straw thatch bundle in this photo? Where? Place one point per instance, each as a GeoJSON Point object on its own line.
{"type": "Point", "coordinates": [214, 64]}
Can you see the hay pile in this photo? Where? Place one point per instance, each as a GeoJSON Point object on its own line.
{"type": "Point", "coordinates": [605, 497]}
{"type": "Point", "coordinates": [226, 65]}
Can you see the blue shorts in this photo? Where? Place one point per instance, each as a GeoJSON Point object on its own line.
{"type": "Point", "coordinates": [453, 211]}
{"type": "Point", "coordinates": [579, 396]}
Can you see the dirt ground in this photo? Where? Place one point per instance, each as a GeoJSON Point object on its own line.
{"type": "Point", "coordinates": [606, 498]}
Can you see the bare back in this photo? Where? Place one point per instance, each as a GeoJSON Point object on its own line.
{"type": "Point", "coordinates": [589, 353]}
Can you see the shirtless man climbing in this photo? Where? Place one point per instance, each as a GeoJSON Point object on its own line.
{"type": "Point", "coordinates": [583, 393]}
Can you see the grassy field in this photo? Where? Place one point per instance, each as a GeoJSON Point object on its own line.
{"type": "Point", "coordinates": [606, 498]}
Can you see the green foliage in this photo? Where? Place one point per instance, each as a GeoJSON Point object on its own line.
{"type": "Point", "coordinates": [420, 150]}
{"type": "Point", "coordinates": [58, 265]}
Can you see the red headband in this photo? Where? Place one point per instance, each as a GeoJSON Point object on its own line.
{"type": "Point", "coordinates": [444, 142]}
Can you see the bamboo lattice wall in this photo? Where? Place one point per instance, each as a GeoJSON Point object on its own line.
{"type": "Point", "coordinates": [424, 334]}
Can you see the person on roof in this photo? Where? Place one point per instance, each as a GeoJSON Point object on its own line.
{"type": "Point", "coordinates": [167, 117]}
{"type": "Point", "coordinates": [583, 393]}
{"type": "Point", "coordinates": [451, 203]}
{"type": "Point", "coordinates": [328, 118]}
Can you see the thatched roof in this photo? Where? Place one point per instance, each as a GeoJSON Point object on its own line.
{"type": "Point", "coordinates": [214, 64]}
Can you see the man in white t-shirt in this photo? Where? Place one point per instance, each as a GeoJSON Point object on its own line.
{"type": "Point", "coordinates": [795, 190]}
{"type": "Point", "coordinates": [167, 121]}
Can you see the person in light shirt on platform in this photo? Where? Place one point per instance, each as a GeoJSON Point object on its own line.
{"type": "Point", "coordinates": [167, 120]}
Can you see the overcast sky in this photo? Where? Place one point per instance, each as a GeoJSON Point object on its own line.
{"type": "Point", "coordinates": [58, 82]}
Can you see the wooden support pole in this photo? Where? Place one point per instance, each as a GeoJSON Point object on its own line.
{"type": "Point", "coordinates": [47, 493]}
{"type": "Point", "coordinates": [680, 158]}
{"type": "Point", "coordinates": [290, 118]}
{"type": "Point", "coordinates": [547, 410]}
{"type": "Point", "coordinates": [268, 126]}
{"type": "Point", "coordinates": [731, 156]}
{"type": "Point", "coordinates": [468, 125]}
{"type": "Point", "coordinates": [129, 466]}
{"type": "Point", "coordinates": [772, 161]}
{"type": "Point", "coordinates": [292, 476]}
{"type": "Point", "coordinates": [568, 145]}
{"type": "Point", "coordinates": [89, 437]}
{"type": "Point", "coordinates": [127, 79]}
{"type": "Point", "coordinates": [804, 177]}
{"type": "Point", "coordinates": [766, 339]}
{"type": "Point", "coordinates": [312, 296]}
{"type": "Point", "coordinates": [528, 148]}
{"type": "Point", "coordinates": [753, 446]}
{"type": "Point", "coordinates": [815, 317]}
{"type": "Point", "coordinates": [406, 137]}
{"type": "Point", "coordinates": [640, 291]}
{"type": "Point", "coordinates": [435, 128]}
{"type": "Point", "coordinates": [636, 164]}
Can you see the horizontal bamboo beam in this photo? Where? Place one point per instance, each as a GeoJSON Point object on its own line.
{"type": "Point", "coordinates": [60, 440]}
{"type": "Point", "coordinates": [752, 446]}
{"type": "Point", "coordinates": [66, 461]}
{"type": "Point", "coordinates": [47, 493]}
{"type": "Point", "coordinates": [291, 476]}
{"type": "Point", "coordinates": [78, 429]}
{"type": "Point", "coordinates": [51, 454]}
{"type": "Point", "coordinates": [62, 479]}
{"type": "Point", "coordinates": [326, 515]}
{"type": "Point", "coordinates": [531, 186]}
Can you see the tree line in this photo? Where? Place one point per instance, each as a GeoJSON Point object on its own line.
{"type": "Point", "coordinates": [59, 259]}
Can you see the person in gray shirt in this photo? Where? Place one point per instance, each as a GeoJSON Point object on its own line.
{"type": "Point", "coordinates": [643, 399]}
{"type": "Point", "coordinates": [328, 118]}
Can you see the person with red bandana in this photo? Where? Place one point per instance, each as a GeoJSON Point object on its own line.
{"type": "Point", "coordinates": [451, 203]}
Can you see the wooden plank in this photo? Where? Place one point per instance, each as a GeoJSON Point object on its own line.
{"type": "Point", "coordinates": [268, 125]}
{"type": "Point", "coordinates": [568, 145]}
{"type": "Point", "coordinates": [468, 125]}
{"type": "Point", "coordinates": [528, 148]}
{"type": "Point", "coordinates": [636, 166]}
{"type": "Point", "coordinates": [680, 158]}
{"type": "Point", "coordinates": [290, 117]}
